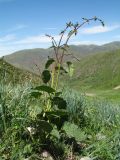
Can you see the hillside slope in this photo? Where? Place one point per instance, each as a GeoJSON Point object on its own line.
{"type": "Point", "coordinates": [9, 73]}
{"type": "Point", "coordinates": [101, 71]}
{"type": "Point", "coordinates": [28, 59]}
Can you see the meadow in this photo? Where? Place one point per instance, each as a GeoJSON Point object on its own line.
{"type": "Point", "coordinates": [42, 118]}
{"type": "Point", "coordinates": [92, 128]}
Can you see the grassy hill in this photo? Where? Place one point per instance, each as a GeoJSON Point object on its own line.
{"type": "Point", "coordinates": [98, 75]}
{"type": "Point", "coordinates": [9, 73]}
{"type": "Point", "coordinates": [28, 59]}
{"type": "Point", "coordinates": [100, 70]}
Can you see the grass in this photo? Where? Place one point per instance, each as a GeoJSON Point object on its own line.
{"type": "Point", "coordinates": [94, 124]}
{"type": "Point", "coordinates": [98, 74]}
{"type": "Point", "coordinates": [92, 128]}
{"type": "Point", "coordinates": [109, 95]}
{"type": "Point", "coordinates": [100, 71]}
{"type": "Point", "coordinates": [15, 75]}
{"type": "Point", "coordinates": [101, 127]}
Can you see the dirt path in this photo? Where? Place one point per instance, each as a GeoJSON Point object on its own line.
{"type": "Point", "coordinates": [117, 87]}
{"type": "Point", "coordinates": [90, 94]}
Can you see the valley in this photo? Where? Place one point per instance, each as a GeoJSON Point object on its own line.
{"type": "Point", "coordinates": [97, 72]}
{"type": "Point", "coordinates": [91, 96]}
{"type": "Point", "coordinates": [59, 80]}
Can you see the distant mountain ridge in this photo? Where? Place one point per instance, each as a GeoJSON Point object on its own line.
{"type": "Point", "coordinates": [34, 59]}
{"type": "Point", "coordinates": [91, 49]}
{"type": "Point", "coordinates": [28, 59]}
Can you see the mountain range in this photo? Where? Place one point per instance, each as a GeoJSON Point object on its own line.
{"type": "Point", "coordinates": [33, 59]}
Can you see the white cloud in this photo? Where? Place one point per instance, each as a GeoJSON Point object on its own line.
{"type": "Point", "coordinates": [7, 38]}
{"type": "Point", "coordinates": [4, 49]}
{"type": "Point", "coordinates": [17, 27]}
{"type": "Point", "coordinates": [99, 29]}
{"type": "Point", "coordinates": [9, 44]}
{"type": "Point", "coordinates": [38, 39]}
{"type": "Point", "coordinates": [89, 42]}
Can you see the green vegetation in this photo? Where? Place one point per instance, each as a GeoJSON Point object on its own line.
{"type": "Point", "coordinates": [39, 119]}
{"type": "Point", "coordinates": [99, 74]}
{"type": "Point", "coordinates": [100, 71]}
{"type": "Point", "coordinates": [96, 72]}
{"type": "Point", "coordinates": [31, 59]}
{"type": "Point", "coordinates": [93, 128]}
{"type": "Point", "coordinates": [28, 59]}
{"type": "Point", "coordinates": [9, 73]}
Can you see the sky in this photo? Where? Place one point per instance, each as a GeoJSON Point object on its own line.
{"type": "Point", "coordinates": [24, 23]}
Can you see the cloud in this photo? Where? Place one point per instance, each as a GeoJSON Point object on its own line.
{"type": "Point", "coordinates": [5, 49]}
{"type": "Point", "coordinates": [7, 38]}
{"type": "Point", "coordinates": [8, 48]}
{"type": "Point", "coordinates": [89, 42]}
{"type": "Point", "coordinates": [5, 44]}
{"type": "Point", "coordinates": [99, 29]}
{"type": "Point", "coordinates": [17, 27]}
{"type": "Point", "coordinates": [10, 44]}
{"type": "Point", "coordinates": [38, 39]}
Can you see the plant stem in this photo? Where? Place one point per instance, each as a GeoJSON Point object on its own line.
{"type": "Point", "coordinates": [59, 65]}
{"type": "Point", "coordinates": [53, 77]}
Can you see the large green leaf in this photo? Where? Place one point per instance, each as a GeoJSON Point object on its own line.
{"type": "Point", "coordinates": [57, 117]}
{"type": "Point", "coordinates": [35, 94]}
{"type": "Point", "coordinates": [57, 113]}
{"type": "Point", "coordinates": [73, 130]}
{"type": "Point", "coordinates": [60, 102]}
{"type": "Point", "coordinates": [46, 76]}
{"type": "Point", "coordinates": [45, 126]}
{"type": "Point", "coordinates": [44, 88]}
{"type": "Point", "coordinates": [55, 133]}
{"type": "Point", "coordinates": [49, 62]}
{"type": "Point", "coordinates": [58, 94]}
